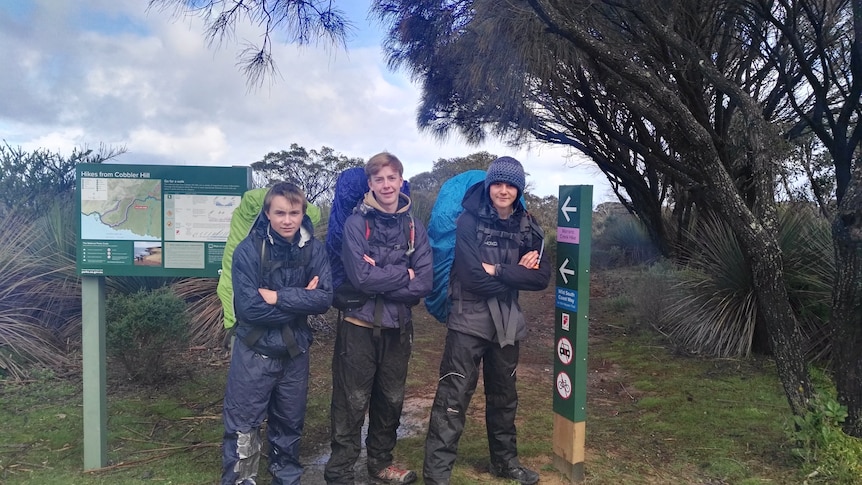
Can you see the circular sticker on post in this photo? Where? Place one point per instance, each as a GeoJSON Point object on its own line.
{"type": "Point", "coordinates": [564, 385]}
{"type": "Point", "coordinates": [565, 351]}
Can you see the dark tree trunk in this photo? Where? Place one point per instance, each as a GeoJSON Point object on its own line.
{"type": "Point", "coordinates": [847, 239]}
{"type": "Point", "coordinates": [646, 206]}
{"type": "Point", "coordinates": [784, 334]}
{"type": "Point", "coordinates": [760, 246]}
{"type": "Point", "coordinates": [847, 304]}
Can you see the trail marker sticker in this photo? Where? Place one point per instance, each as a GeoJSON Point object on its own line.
{"type": "Point", "coordinates": [564, 385]}
{"type": "Point", "coordinates": [565, 351]}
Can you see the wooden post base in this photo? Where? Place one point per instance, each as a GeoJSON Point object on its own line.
{"type": "Point", "coordinates": [569, 448]}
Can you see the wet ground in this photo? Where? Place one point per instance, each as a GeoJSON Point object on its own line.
{"type": "Point", "coordinates": [414, 421]}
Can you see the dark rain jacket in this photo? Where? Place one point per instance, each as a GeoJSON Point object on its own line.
{"type": "Point", "coordinates": [288, 268]}
{"type": "Point", "coordinates": [387, 244]}
{"type": "Point", "coordinates": [473, 289]}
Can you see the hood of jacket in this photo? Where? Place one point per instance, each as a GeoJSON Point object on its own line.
{"type": "Point", "coordinates": [369, 204]}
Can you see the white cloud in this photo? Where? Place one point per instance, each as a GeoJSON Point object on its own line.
{"type": "Point", "coordinates": [206, 141]}
{"type": "Point", "coordinates": [110, 72]}
{"type": "Point", "coordinates": [62, 141]}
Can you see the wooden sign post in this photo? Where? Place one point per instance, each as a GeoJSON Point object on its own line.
{"type": "Point", "coordinates": [574, 223]}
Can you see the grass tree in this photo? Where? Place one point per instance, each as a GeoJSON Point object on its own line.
{"type": "Point", "coordinates": [40, 301]}
{"type": "Point", "coordinates": [206, 324]}
{"type": "Point", "coordinates": [712, 309]}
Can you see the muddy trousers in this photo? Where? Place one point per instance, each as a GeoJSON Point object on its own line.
{"type": "Point", "coordinates": [368, 375]}
{"type": "Point", "coordinates": [257, 387]}
{"type": "Point", "coordinates": [459, 374]}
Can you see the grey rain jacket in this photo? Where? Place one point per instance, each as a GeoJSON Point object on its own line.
{"type": "Point", "coordinates": [294, 303]}
{"type": "Point", "coordinates": [471, 286]}
{"type": "Point", "coordinates": [387, 246]}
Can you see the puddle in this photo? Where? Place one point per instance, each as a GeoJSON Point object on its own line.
{"type": "Point", "coordinates": [414, 422]}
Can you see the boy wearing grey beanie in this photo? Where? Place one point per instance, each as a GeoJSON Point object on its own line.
{"type": "Point", "coordinates": [497, 254]}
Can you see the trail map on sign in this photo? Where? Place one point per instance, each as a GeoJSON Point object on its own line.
{"type": "Point", "coordinates": [121, 208]}
{"type": "Point", "coordinates": [198, 217]}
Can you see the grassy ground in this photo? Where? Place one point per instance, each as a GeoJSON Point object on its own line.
{"type": "Point", "coordinates": [653, 416]}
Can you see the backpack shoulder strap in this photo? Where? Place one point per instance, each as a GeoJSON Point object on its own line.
{"type": "Point", "coordinates": [263, 263]}
{"type": "Point", "coordinates": [526, 230]}
{"type": "Point", "coordinates": [483, 229]}
{"type": "Point", "coordinates": [410, 233]}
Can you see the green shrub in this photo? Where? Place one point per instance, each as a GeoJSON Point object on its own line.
{"type": "Point", "coordinates": [144, 330]}
{"type": "Point", "coordinates": [828, 454]}
{"type": "Point", "coordinates": [623, 241]}
{"type": "Point", "coordinates": [651, 293]}
{"type": "Point", "coordinates": [620, 303]}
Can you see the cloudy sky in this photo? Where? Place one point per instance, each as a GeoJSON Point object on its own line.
{"type": "Point", "coordinates": [85, 73]}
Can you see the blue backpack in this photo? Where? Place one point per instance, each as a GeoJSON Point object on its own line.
{"type": "Point", "coordinates": [441, 235]}
{"type": "Point", "coordinates": [350, 187]}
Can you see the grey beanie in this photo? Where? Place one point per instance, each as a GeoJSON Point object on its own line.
{"type": "Point", "coordinates": [506, 169]}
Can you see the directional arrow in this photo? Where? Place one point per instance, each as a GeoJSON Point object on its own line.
{"type": "Point", "coordinates": [566, 271]}
{"type": "Point", "coordinates": [566, 209]}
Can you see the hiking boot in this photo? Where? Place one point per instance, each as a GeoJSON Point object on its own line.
{"type": "Point", "coordinates": [393, 474]}
{"type": "Point", "coordinates": [522, 475]}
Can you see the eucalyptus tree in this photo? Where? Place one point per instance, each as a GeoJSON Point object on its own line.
{"type": "Point", "coordinates": [817, 54]}
{"type": "Point", "coordinates": [445, 168]}
{"type": "Point", "coordinates": [314, 171]}
{"type": "Point", "coordinates": [425, 186]}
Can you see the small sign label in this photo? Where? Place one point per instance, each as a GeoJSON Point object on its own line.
{"type": "Point", "coordinates": [564, 385]}
{"type": "Point", "coordinates": [571, 235]}
{"type": "Point", "coordinates": [565, 351]}
{"type": "Point", "coordinates": [567, 299]}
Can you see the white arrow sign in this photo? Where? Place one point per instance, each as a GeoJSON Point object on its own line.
{"type": "Point", "coordinates": [566, 271]}
{"type": "Point", "coordinates": [566, 209]}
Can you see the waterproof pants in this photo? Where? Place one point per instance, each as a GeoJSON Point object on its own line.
{"type": "Point", "coordinates": [258, 386]}
{"type": "Point", "coordinates": [368, 375]}
{"type": "Point", "coordinates": [459, 374]}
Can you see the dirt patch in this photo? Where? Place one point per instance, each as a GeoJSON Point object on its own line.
{"type": "Point", "coordinates": [414, 415]}
{"type": "Point", "coordinates": [606, 388]}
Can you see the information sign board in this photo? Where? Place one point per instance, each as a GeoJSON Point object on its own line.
{"type": "Point", "coordinates": [155, 220]}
